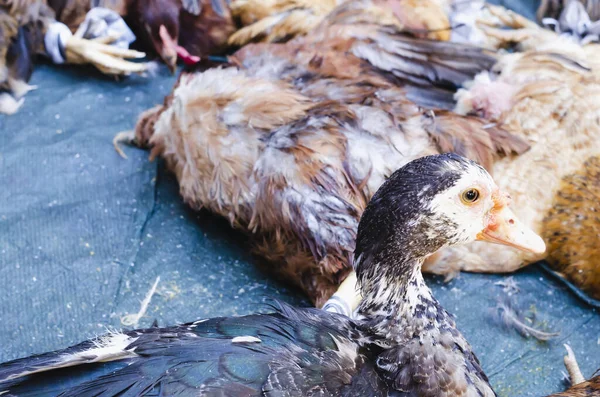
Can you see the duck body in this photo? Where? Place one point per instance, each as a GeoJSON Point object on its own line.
{"type": "Point", "coordinates": [293, 352]}
{"type": "Point", "coordinates": [402, 344]}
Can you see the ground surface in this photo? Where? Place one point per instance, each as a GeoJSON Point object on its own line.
{"type": "Point", "coordinates": [84, 234]}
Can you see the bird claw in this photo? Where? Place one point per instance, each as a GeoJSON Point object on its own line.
{"type": "Point", "coordinates": [20, 87]}
{"type": "Point", "coordinates": [505, 36]}
{"type": "Point", "coordinates": [106, 58]}
{"type": "Point", "coordinates": [9, 105]}
{"type": "Point", "coordinates": [572, 367]}
{"type": "Point", "coordinates": [510, 18]}
{"type": "Point", "coordinates": [127, 137]}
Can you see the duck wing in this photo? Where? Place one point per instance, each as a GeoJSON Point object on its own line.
{"type": "Point", "coordinates": [298, 352]}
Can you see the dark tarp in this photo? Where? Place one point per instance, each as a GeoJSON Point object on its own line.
{"type": "Point", "coordinates": [84, 234]}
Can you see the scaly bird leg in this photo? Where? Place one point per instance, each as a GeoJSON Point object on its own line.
{"type": "Point", "coordinates": [127, 137]}
{"type": "Point", "coordinates": [506, 36]}
{"type": "Point", "coordinates": [511, 19]}
{"type": "Point", "coordinates": [346, 299]}
{"type": "Point", "coordinates": [108, 59]}
{"type": "Point", "coordinates": [572, 367]}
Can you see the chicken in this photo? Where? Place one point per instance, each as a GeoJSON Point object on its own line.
{"type": "Point", "coordinates": [291, 144]}
{"type": "Point", "coordinates": [277, 20]}
{"type": "Point", "coordinates": [550, 95]}
{"type": "Point", "coordinates": [572, 226]}
{"type": "Point", "coordinates": [280, 20]}
{"type": "Point", "coordinates": [187, 29]}
{"type": "Point", "coordinates": [21, 38]}
{"type": "Point", "coordinates": [28, 28]}
{"type": "Point", "coordinates": [486, 25]}
{"type": "Point", "coordinates": [72, 12]}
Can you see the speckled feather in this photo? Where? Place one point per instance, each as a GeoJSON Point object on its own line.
{"type": "Point", "coordinates": [403, 344]}
{"type": "Point", "coordinates": [572, 226]}
{"type": "Point", "coordinates": [281, 20]}
{"type": "Point", "coordinates": [294, 144]}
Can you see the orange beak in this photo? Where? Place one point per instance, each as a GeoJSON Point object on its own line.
{"type": "Point", "coordinates": [503, 227]}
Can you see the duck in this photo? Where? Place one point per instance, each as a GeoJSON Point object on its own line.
{"type": "Point", "coordinates": [403, 342]}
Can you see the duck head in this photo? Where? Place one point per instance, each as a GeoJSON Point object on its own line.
{"type": "Point", "coordinates": [435, 202]}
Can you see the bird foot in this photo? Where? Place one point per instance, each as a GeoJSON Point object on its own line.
{"type": "Point", "coordinates": [346, 299]}
{"type": "Point", "coordinates": [572, 367]}
{"type": "Point", "coordinates": [106, 58]}
{"type": "Point", "coordinates": [127, 137]}
{"type": "Point", "coordinates": [505, 36]}
{"type": "Point", "coordinates": [9, 105]}
{"type": "Point", "coordinates": [19, 87]}
{"type": "Point", "coordinates": [510, 18]}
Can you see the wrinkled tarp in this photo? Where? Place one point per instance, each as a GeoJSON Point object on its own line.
{"type": "Point", "coordinates": [84, 234]}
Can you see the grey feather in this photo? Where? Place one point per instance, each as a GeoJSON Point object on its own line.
{"type": "Point", "coordinates": [509, 316]}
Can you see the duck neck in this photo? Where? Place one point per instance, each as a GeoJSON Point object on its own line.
{"type": "Point", "coordinates": [398, 304]}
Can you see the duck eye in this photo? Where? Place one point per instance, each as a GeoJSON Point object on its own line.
{"type": "Point", "coordinates": [470, 196]}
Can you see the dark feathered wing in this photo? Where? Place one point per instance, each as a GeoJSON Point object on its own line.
{"type": "Point", "coordinates": [303, 352]}
{"type": "Point", "coordinates": [423, 62]}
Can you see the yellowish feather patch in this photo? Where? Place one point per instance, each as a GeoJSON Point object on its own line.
{"type": "Point", "coordinates": [572, 227]}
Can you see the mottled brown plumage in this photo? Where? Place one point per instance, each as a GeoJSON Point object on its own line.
{"type": "Point", "coordinates": [200, 27]}
{"type": "Point", "coordinates": [281, 20]}
{"type": "Point", "coordinates": [292, 144]}
{"type": "Point", "coordinates": [589, 388]}
{"type": "Point", "coordinates": [572, 226]}
{"type": "Point", "coordinates": [22, 26]}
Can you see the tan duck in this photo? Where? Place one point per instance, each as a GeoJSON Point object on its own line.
{"type": "Point", "coordinates": [549, 93]}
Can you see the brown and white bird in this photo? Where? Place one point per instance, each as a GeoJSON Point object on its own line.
{"type": "Point", "coordinates": [27, 29]}
{"type": "Point", "coordinates": [549, 94]}
{"type": "Point", "coordinates": [291, 143]}
{"type": "Point", "coordinates": [281, 20]}
{"type": "Point", "coordinates": [22, 24]}
{"type": "Point", "coordinates": [184, 29]}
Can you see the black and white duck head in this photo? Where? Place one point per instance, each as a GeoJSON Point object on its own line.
{"type": "Point", "coordinates": [431, 203]}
